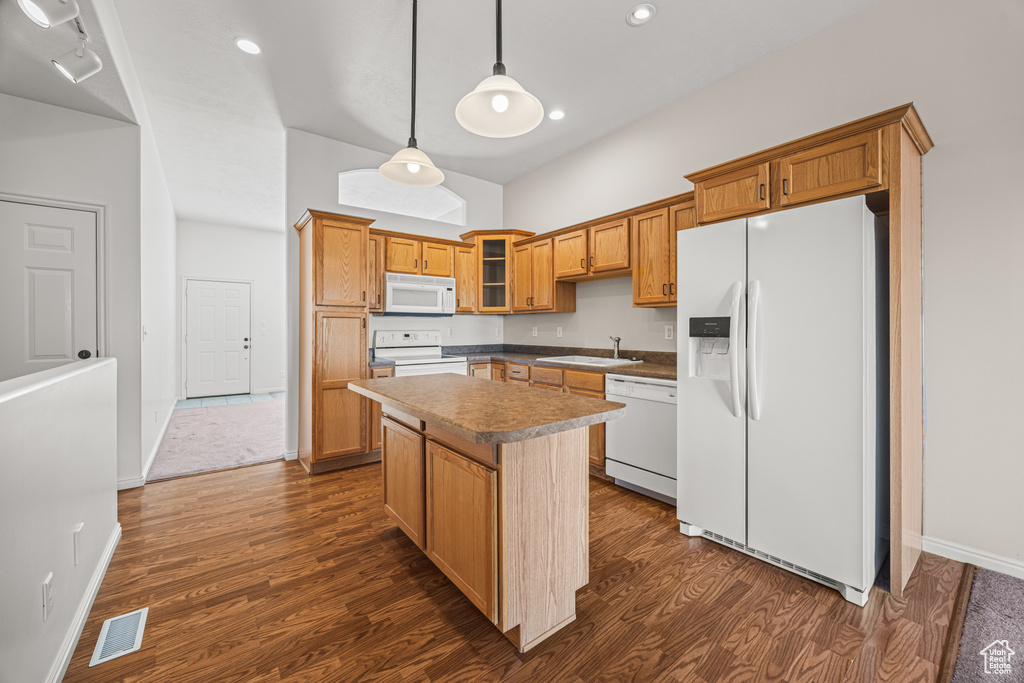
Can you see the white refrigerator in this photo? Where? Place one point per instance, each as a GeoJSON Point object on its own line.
{"type": "Point", "coordinates": [783, 390]}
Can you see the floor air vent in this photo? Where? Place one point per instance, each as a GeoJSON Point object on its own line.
{"type": "Point", "coordinates": [120, 635]}
{"type": "Point", "coordinates": [778, 562]}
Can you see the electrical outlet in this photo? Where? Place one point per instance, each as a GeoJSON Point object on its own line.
{"type": "Point", "coordinates": [497, 331]}
{"type": "Point", "coordinates": [670, 332]}
{"type": "Point", "coordinates": [77, 535]}
{"type": "Point", "coordinates": [451, 331]}
{"type": "Point", "coordinates": [558, 331]}
{"type": "Point", "coordinates": [534, 332]}
{"type": "Point", "coordinates": [47, 595]}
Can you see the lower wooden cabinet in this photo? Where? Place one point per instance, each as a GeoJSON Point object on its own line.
{"type": "Point", "coordinates": [480, 370]}
{"type": "Point", "coordinates": [403, 471]}
{"type": "Point", "coordinates": [340, 416]}
{"type": "Point", "coordinates": [498, 372]}
{"type": "Point", "coordinates": [375, 408]}
{"type": "Point", "coordinates": [461, 529]}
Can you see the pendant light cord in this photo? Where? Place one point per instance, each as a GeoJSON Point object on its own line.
{"type": "Point", "coordinates": [412, 125]}
{"type": "Point", "coordinates": [499, 67]}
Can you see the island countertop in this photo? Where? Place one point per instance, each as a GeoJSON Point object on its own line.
{"type": "Point", "coordinates": [484, 411]}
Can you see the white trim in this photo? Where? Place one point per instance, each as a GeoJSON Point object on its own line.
{"type": "Point", "coordinates": [156, 444]}
{"type": "Point", "coordinates": [102, 256]}
{"type": "Point", "coordinates": [271, 390]}
{"type": "Point", "coordinates": [133, 483]}
{"type": "Point", "coordinates": [963, 553]}
{"type": "Point", "coordinates": [67, 648]}
{"type": "Point", "coordinates": [291, 455]}
{"type": "Point", "coordinates": [183, 392]}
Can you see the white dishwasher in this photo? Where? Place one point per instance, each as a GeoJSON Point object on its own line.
{"type": "Point", "coordinates": [640, 446]}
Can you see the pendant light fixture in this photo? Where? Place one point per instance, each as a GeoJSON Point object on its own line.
{"type": "Point", "coordinates": [410, 166]}
{"type": "Point", "coordinates": [499, 107]}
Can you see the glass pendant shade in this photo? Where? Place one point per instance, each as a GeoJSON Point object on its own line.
{"type": "Point", "coordinates": [499, 108]}
{"type": "Point", "coordinates": [47, 13]}
{"type": "Point", "coordinates": [410, 166]}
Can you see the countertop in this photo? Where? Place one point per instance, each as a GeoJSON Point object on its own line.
{"type": "Point", "coordinates": [655, 370]}
{"type": "Point", "coordinates": [485, 411]}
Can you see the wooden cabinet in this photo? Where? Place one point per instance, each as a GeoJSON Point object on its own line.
{"type": "Point", "coordinates": [848, 165]}
{"type": "Point", "coordinates": [375, 408]}
{"type": "Point", "coordinates": [741, 192]}
{"type": "Point", "coordinates": [334, 421]}
{"type": "Point", "coordinates": [516, 372]}
{"type": "Point", "coordinates": [403, 474]}
{"type": "Point", "coordinates": [402, 255]}
{"type": "Point", "coordinates": [599, 250]}
{"type": "Point", "coordinates": [437, 259]}
{"type": "Point", "coordinates": [465, 279]}
{"type": "Point", "coordinates": [546, 376]}
{"type": "Point", "coordinates": [480, 370]}
{"type": "Point", "coordinates": [591, 384]}
{"type": "Point", "coordinates": [494, 268]}
{"type": "Point", "coordinates": [375, 273]}
{"type": "Point", "coordinates": [498, 372]}
{"type": "Point", "coordinates": [654, 245]}
{"type": "Point", "coordinates": [461, 524]}
{"type": "Point", "coordinates": [534, 288]}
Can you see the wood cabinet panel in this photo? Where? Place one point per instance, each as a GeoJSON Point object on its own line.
{"type": "Point", "coordinates": [340, 416]}
{"type": "Point", "coordinates": [339, 356]}
{"type": "Point", "coordinates": [609, 247]}
{"type": "Point", "coordinates": [550, 387]}
{"type": "Point", "coordinates": [494, 255]}
{"type": "Point", "coordinates": [543, 289]}
{"type": "Point", "coordinates": [340, 251]}
{"type": "Point", "coordinates": [403, 473]}
{"type": "Point", "coordinates": [595, 450]}
{"type": "Point", "coordinates": [738, 193]}
{"type": "Point", "coordinates": [402, 256]}
{"type": "Point", "coordinates": [542, 375]}
{"type": "Point", "coordinates": [437, 259]}
{"type": "Point", "coordinates": [465, 280]}
{"type": "Point", "coordinates": [570, 254]}
{"type": "Point", "coordinates": [375, 273]}
{"type": "Point", "coordinates": [847, 165]}
{"type": "Point", "coordinates": [343, 415]}
{"type": "Point", "coordinates": [498, 372]}
{"type": "Point", "coordinates": [462, 525]}
{"type": "Point", "coordinates": [480, 370]}
{"type": "Point", "coordinates": [376, 412]}
{"type": "Point", "coordinates": [522, 278]}
{"type": "Point", "coordinates": [517, 372]}
{"type": "Point", "coordinates": [653, 269]}
{"type": "Point", "coordinates": [585, 381]}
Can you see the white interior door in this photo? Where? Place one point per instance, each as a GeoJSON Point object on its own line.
{"type": "Point", "coordinates": [217, 338]}
{"type": "Point", "coordinates": [48, 286]}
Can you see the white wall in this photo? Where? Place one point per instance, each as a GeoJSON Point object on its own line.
{"type": "Point", "coordinates": [960, 63]}
{"type": "Point", "coordinates": [157, 291]}
{"type": "Point", "coordinates": [42, 501]}
{"type": "Point", "coordinates": [223, 252]}
{"type": "Point", "coordinates": [51, 153]}
{"type": "Point", "coordinates": [603, 309]}
{"type": "Point", "coordinates": [313, 165]}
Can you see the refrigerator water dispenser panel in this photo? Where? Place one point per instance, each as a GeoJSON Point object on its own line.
{"type": "Point", "coordinates": [709, 348]}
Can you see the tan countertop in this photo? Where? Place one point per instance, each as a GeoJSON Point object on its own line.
{"type": "Point", "coordinates": [484, 411]}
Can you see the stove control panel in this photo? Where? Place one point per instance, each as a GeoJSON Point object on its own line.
{"type": "Point", "coordinates": [389, 339]}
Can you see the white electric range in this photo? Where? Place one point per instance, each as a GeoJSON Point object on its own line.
{"type": "Point", "coordinates": [417, 352]}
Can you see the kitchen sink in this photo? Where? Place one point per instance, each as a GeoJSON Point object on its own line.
{"type": "Point", "coordinates": [590, 360]}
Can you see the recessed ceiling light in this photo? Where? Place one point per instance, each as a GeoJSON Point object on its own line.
{"type": "Point", "coordinates": [556, 115]}
{"type": "Point", "coordinates": [640, 15]}
{"type": "Point", "coordinates": [246, 45]}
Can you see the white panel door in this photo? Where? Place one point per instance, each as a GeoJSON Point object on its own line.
{"type": "Point", "coordinates": [711, 477]}
{"type": "Point", "coordinates": [217, 338]}
{"type": "Point", "coordinates": [47, 287]}
{"type": "Point", "coordinates": [810, 448]}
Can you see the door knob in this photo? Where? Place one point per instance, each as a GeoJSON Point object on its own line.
{"type": "Point", "coordinates": [246, 346]}
{"type": "Point", "coordinates": [84, 353]}
{"type": "Point", "coordinates": [246, 339]}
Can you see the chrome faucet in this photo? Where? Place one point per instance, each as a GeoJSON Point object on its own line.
{"type": "Point", "coordinates": [616, 340]}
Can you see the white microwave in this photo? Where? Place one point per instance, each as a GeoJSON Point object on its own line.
{"type": "Point", "coordinates": [418, 295]}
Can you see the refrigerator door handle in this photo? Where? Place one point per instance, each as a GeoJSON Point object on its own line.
{"type": "Point", "coordinates": [753, 350]}
{"type": "Point", "coordinates": [734, 357]}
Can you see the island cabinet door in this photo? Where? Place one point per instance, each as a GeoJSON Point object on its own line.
{"type": "Point", "coordinates": [403, 473]}
{"type": "Point", "coordinates": [462, 525]}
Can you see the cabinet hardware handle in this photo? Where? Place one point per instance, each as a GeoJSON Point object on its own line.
{"type": "Point", "coordinates": [762, 190]}
{"type": "Point", "coordinates": [364, 295]}
{"type": "Point", "coordinates": [425, 266]}
{"type": "Point", "coordinates": [364, 323]}
{"type": "Point", "coordinates": [591, 261]}
{"type": "Point", "coordinates": [583, 263]}
{"type": "Point", "coordinates": [378, 298]}
{"type": "Point", "coordinates": [672, 288]}
{"type": "Point", "coordinates": [784, 187]}
{"type": "Point", "coordinates": [416, 262]}
{"type": "Point", "coordinates": [457, 304]}
{"type": "Point", "coordinates": [663, 289]}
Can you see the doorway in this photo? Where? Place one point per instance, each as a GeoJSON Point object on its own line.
{"type": "Point", "coordinates": [48, 274]}
{"type": "Point", "coordinates": [217, 338]}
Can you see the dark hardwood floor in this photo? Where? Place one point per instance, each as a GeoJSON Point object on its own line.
{"type": "Point", "coordinates": [267, 574]}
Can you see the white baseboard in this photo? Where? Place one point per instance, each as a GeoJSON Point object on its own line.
{"type": "Point", "coordinates": [291, 455]}
{"type": "Point", "coordinates": [132, 483]}
{"type": "Point", "coordinates": [156, 444]}
{"type": "Point", "coordinates": [67, 648]}
{"type": "Point", "coordinates": [963, 553]}
{"type": "Point", "coordinates": [266, 391]}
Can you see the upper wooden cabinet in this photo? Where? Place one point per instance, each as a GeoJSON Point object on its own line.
{"type": "Point", "coordinates": [375, 273]}
{"type": "Point", "coordinates": [847, 165]}
{"type": "Point", "coordinates": [494, 268]}
{"type": "Point", "coordinates": [601, 250]}
{"type": "Point", "coordinates": [534, 288]}
{"type": "Point", "coordinates": [738, 193]}
{"type": "Point", "coordinates": [437, 259]}
{"type": "Point", "coordinates": [465, 279]}
{"type": "Point", "coordinates": [403, 256]}
{"type": "Point", "coordinates": [654, 275]}
{"type": "Point", "coordinates": [337, 249]}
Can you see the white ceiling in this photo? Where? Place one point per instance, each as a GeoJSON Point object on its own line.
{"type": "Point", "coordinates": [340, 69]}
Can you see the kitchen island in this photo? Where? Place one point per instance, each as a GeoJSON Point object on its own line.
{"type": "Point", "coordinates": [490, 480]}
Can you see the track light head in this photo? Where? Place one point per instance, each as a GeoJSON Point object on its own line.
{"type": "Point", "coordinates": [78, 64]}
{"type": "Point", "coordinates": [49, 13]}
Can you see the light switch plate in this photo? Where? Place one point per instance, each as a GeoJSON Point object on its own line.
{"type": "Point", "coordinates": [534, 331]}
{"type": "Point", "coordinates": [558, 331]}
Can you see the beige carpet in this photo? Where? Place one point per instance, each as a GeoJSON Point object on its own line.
{"type": "Point", "coordinates": [219, 438]}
